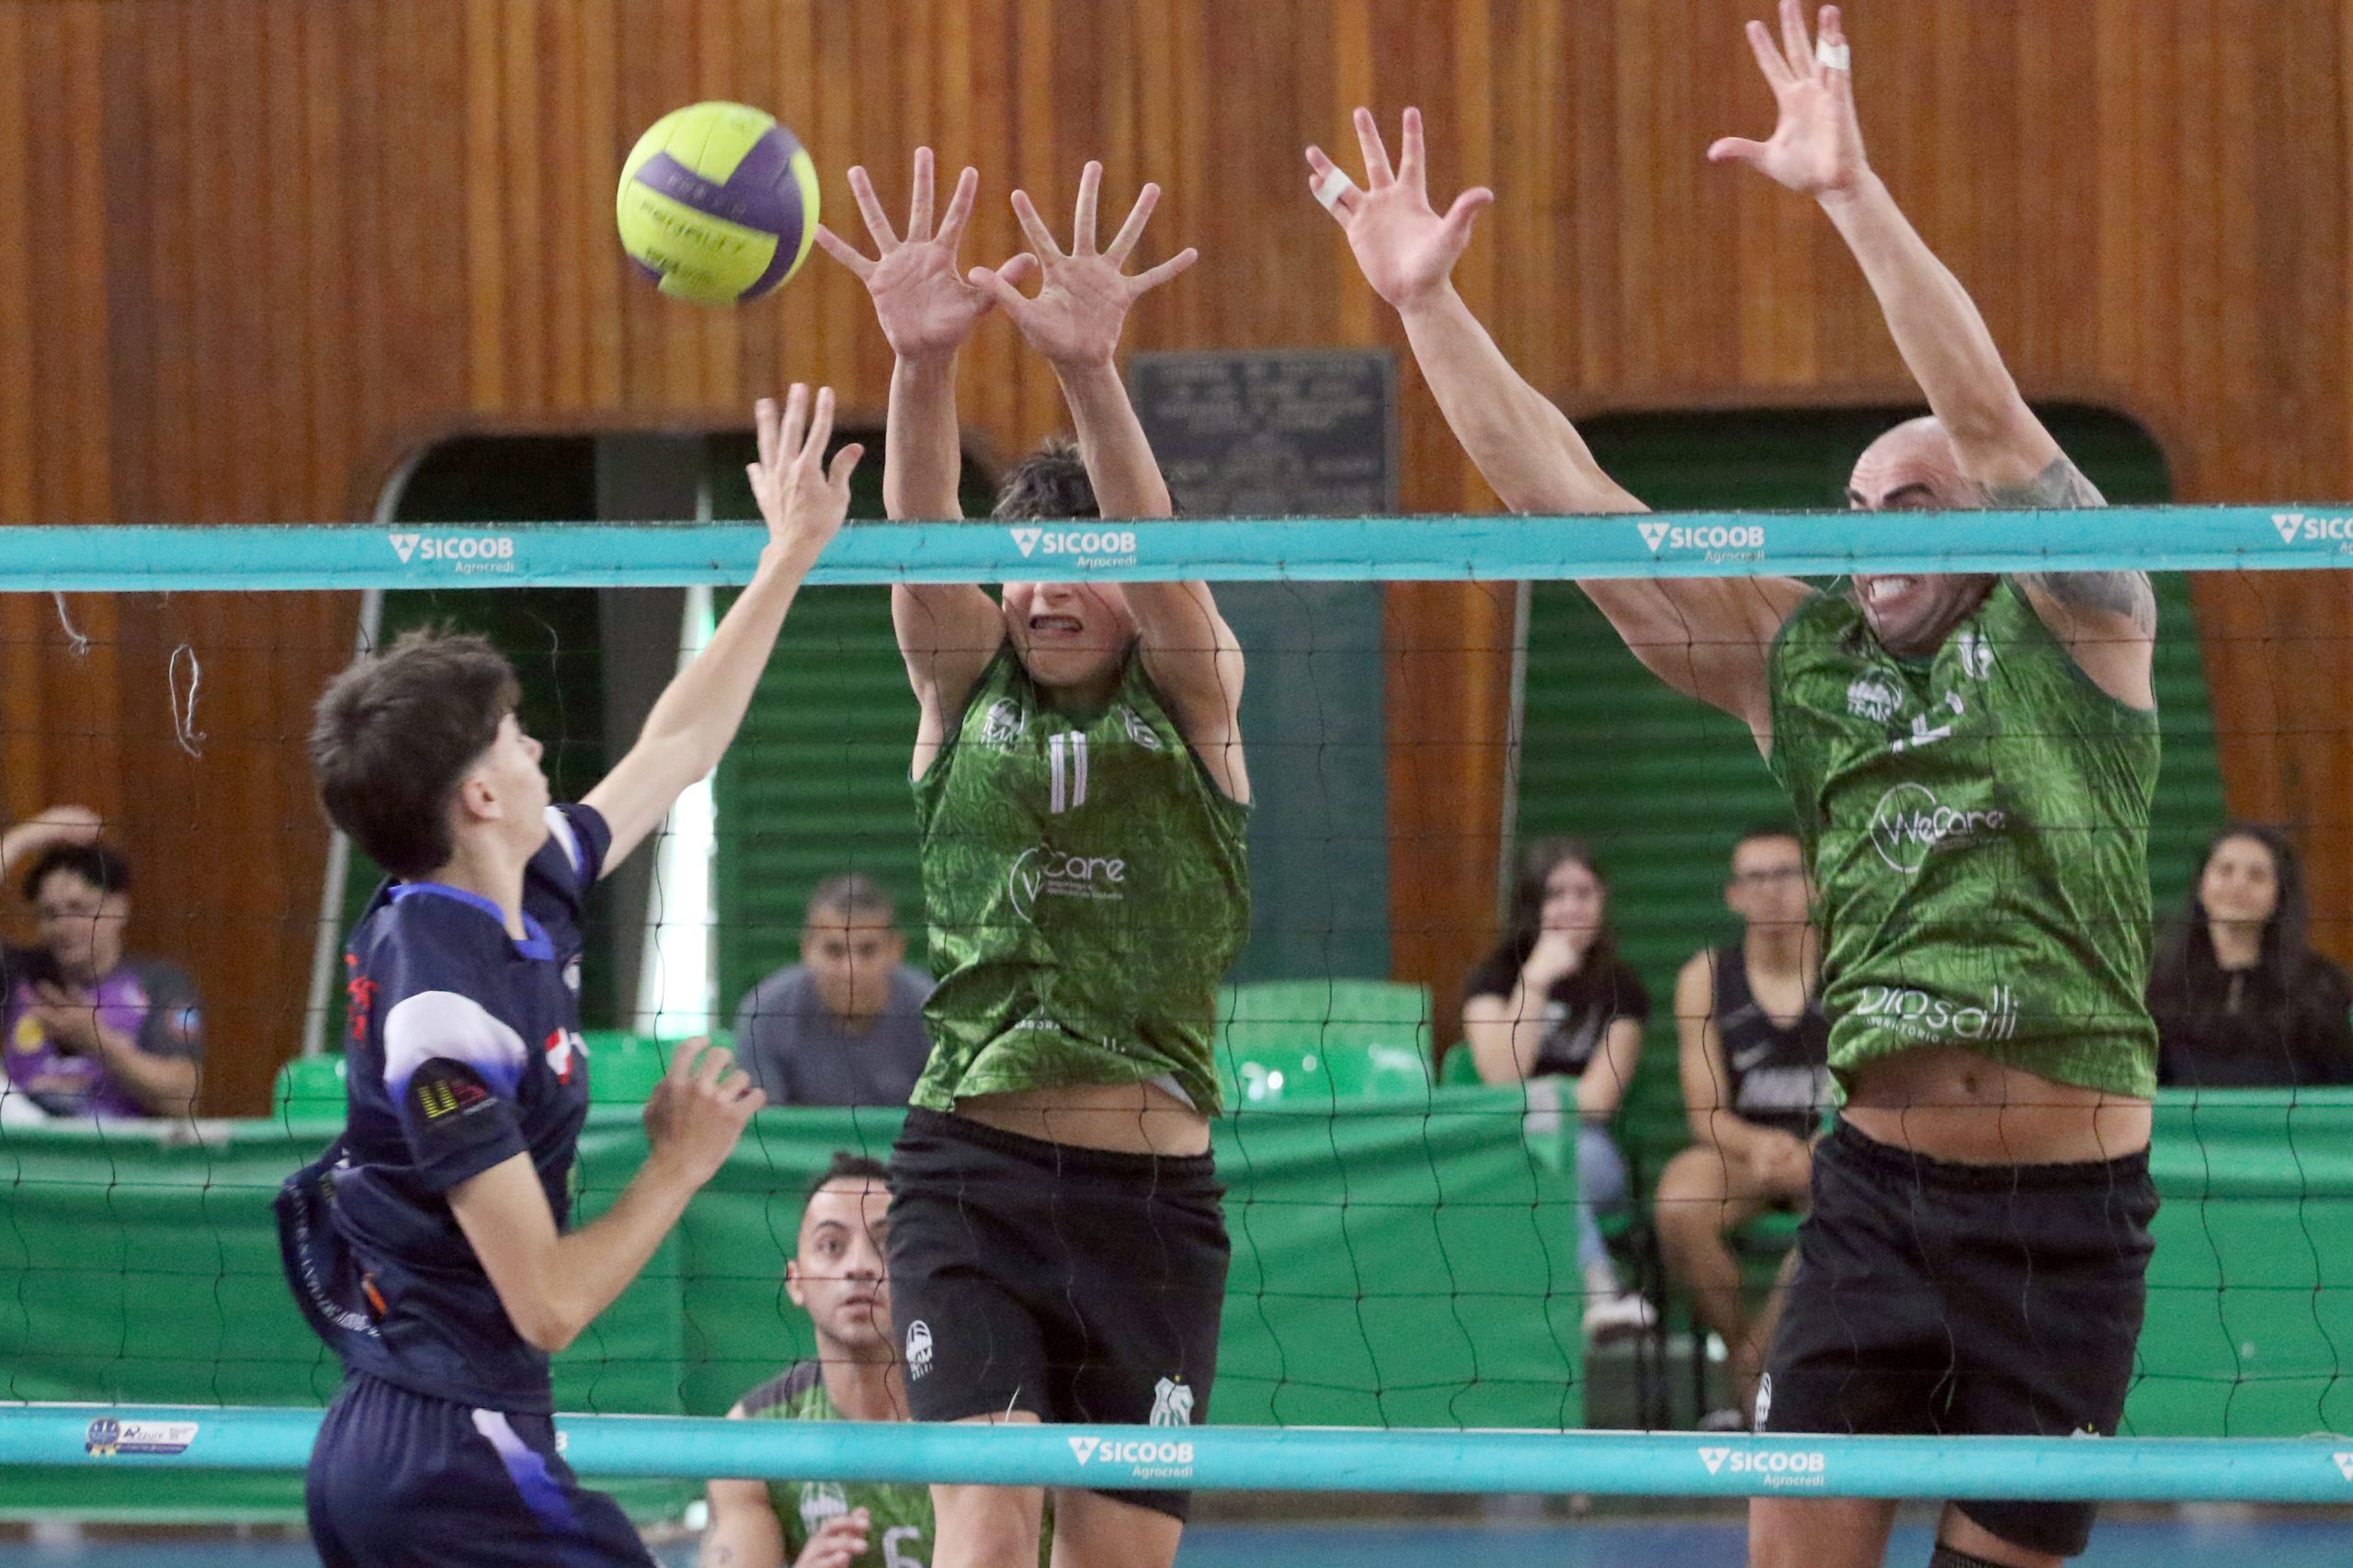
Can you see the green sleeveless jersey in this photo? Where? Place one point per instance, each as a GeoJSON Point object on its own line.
{"type": "Point", "coordinates": [1087, 888]}
{"type": "Point", "coordinates": [1978, 827]}
{"type": "Point", "coordinates": [900, 1532]}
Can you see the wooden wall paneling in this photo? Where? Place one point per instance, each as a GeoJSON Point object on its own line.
{"type": "Point", "coordinates": [487, 231]}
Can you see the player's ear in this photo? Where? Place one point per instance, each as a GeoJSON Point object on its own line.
{"type": "Point", "coordinates": [792, 1283]}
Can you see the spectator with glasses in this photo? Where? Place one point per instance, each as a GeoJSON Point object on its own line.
{"type": "Point", "coordinates": [89, 1031]}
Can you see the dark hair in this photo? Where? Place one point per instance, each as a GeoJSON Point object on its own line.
{"type": "Point", "coordinates": [852, 893]}
{"type": "Point", "coordinates": [846, 1167]}
{"type": "Point", "coordinates": [1523, 923]}
{"type": "Point", "coordinates": [1048, 485]}
{"type": "Point", "coordinates": [102, 867]}
{"type": "Point", "coordinates": [1764, 830]}
{"type": "Point", "coordinates": [395, 733]}
{"type": "Point", "coordinates": [2189, 945]}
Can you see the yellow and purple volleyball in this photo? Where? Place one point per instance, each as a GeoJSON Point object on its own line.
{"type": "Point", "coordinates": [718, 203]}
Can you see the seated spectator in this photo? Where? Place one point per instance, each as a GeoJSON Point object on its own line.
{"type": "Point", "coordinates": [2241, 999]}
{"type": "Point", "coordinates": [1755, 1067]}
{"type": "Point", "coordinates": [89, 1031]}
{"type": "Point", "coordinates": [844, 1027]}
{"type": "Point", "coordinates": [1555, 999]}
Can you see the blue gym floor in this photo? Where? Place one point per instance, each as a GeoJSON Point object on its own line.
{"type": "Point", "coordinates": [2281, 1540]}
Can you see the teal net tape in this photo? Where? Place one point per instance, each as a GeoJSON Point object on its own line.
{"type": "Point", "coordinates": [1260, 1459]}
{"type": "Point", "coordinates": [142, 558]}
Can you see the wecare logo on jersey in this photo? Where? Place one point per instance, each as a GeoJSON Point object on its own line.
{"type": "Point", "coordinates": [1057, 873]}
{"type": "Point", "coordinates": [1910, 822]}
{"type": "Point", "coordinates": [1080, 547]}
{"type": "Point", "coordinates": [1931, 1019]}
{"type": "Point", "coordinates": [1146, 1459]}
{"type": "Point", "coordinates": [1775, 1468]}
{"type": "Point", "coordinates": [466, 554]}
{"type": "Point", "coordinates": [1738, 541]}
{"type": "Point", "coordinates": [2298, 528]}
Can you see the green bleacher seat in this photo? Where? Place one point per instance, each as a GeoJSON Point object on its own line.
{"type": "Point", "coordinates": [1310, 1040]}
{"type": "Point", "coordinates": [624, 1067]}
{"type": "Point", "coordinates": [309, 1086]}
{"type": "Point", "coordinates": [1458, 1068]}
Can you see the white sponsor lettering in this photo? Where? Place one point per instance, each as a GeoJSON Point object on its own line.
{"type": "Point", "coordinates": [1719, 541]}
{"type": "Point", "coordinates": [1131, 1451]}
{"type": "Point", "coordinates": [1084, 546]}
{"type": "Point", "coordinates": [2296, 527]}
{"type": "Point", "coordinates": [2344, 1465]}
{"type": "Point", "coordinates": [1775, 1467]}
{"type": "Point", "coordinates": [1083, 1449]}
{"type": "Point", "coordinates": [107, 1436]}
{"type": "Point", "coordinates": [1765, 1384]}
{"type": "Point", "coordinates": [1930, 1018]}
{"type": "Point", "coordinates": [468, 553]}
{"type": "Point", "coordinates": [1910, 822]}
{"type": "Point", "coordinates": [1058, 874]}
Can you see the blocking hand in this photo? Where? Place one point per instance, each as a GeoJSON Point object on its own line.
{"type": "Point", "coordinates": [1406, 250]}
{"type": "Point", "coordinates": [925, 307]}
{"type": "Point", "coordinates": [1077, 316]}
{"type": "Point", "coordinates": [1817, 145]}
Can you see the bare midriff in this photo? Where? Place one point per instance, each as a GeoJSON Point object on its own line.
{"type": "Point", "coordinates": [1950, 1104]}
{"type": "Point", "coordinates": [1120, 1118]}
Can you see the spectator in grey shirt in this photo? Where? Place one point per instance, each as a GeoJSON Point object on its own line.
{"type": "Point", "coordinates": [844, 1027]}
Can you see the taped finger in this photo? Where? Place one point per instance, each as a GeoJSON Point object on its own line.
{"type": "Point", "coordinates": [1833, 56]}
{"type": "Point", "coordinates": [1334, 189]}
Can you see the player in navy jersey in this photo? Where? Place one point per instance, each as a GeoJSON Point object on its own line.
{"type": "Point", "coordinates": [430, 1246]}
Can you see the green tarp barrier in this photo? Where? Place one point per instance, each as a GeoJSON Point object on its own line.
{"type": "Point", "coordinates": [1397, 1263]}
{"type": "Point", "coordinates": [1403, 1265]}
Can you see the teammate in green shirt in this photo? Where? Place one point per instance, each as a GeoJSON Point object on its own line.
{"type": "Point", "coordinates": [837, 1275]}
{"type": "Point", "coordinates": [1058, 1250]}
{"type": "Point", "coordinates": [1971, 760]}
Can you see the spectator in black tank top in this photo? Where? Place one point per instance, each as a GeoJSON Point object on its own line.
{"type": "Point", "coordinates": [2241, 999]}
{"type": "Point", "coordinates": [1555, 999]}
{"type": "Point", "coordinates": [1756, 1079]}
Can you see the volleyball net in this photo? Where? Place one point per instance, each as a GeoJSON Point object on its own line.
{"type": "Point", "coordinates": [1407, 1302]}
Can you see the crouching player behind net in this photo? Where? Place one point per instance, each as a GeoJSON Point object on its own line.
{"type": "Point", "coordinates": [1971, 759]}
{"type": "Point", "coordinates": [836, 1275]}
{"type": "Point", "coordinates": [1058, 1252]}
{"type": "Point", "coordinates": [430, 1245]}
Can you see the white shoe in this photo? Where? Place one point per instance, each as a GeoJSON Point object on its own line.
{"type": "Point", "coordinates": [1613, 1317]}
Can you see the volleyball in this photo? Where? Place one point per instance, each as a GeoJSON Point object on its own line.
{"type": "Point", "coordinates": [718, 203]}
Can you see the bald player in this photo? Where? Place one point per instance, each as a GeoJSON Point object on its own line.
{"type": "Point", "coordinates": [1971, 760]}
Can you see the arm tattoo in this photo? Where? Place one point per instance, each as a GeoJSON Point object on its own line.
{"type": "Point", "coordinates": [2125, 594]}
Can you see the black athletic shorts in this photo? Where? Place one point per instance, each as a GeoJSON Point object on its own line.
{"type": "Point", "coordinates": [1940, 1298]}
{"type": "Point", "coordinates": [1077, 1284]}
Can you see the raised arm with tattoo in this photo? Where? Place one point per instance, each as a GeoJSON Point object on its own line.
{"type": "Point", "coordinates": [1074, 323]}
{"type": "Point", "coordinates": [1705, 637]}
{"type": "Point", "coordinates": [2107, 618]}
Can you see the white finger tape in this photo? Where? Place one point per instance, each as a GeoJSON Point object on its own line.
{"type": "Point", "coordinates": [1837, 56]}
{"type": "Point", "coordinates": [1332, 187]}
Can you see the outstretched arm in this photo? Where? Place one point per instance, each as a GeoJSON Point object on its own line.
{"type": "Point", "coordinates": [1705, 637]}
{"type": "Point", "coordinates": [1075, 325]}
{"type": "Point", "coordinates": [947, 631]}
{"type": "Point", "coordinates": [697, 715]}
{"type": "Point", "coordinates": [2107, 618]}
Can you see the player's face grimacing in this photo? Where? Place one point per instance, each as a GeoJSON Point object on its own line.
{"type": "Point", "coordinates": [836, 1275]}
{"type": "Point", "coordinates": [1913, 468]}
{"type": "Point", "coordinates": [1067, 635]}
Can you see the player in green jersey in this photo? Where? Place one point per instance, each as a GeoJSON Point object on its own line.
{"type": "Point", "coordinates": [837, 1275]}
{"type": "Point", "coordinates": [1058, 1250]}
{"type": "Point", "coordinates": [1971, 760]}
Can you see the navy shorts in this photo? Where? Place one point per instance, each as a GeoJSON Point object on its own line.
{"type": "Point", "coordinates": [1946, 1299]}
{"type": "Point", "coordinates": [400, 1481]}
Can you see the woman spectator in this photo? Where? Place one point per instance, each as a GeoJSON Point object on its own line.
{"type": "Point", "coordinates": [2241, 999]}
{"type": "Point", "coordinates": [1555, 999]}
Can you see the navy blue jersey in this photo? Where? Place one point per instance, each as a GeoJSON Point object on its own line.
{"type": "Point", "coordinates": [464, 1051]}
